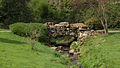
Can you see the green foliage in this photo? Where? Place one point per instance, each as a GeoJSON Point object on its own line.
{"type": "Point", "coordinates": [74, 45]}
{"type": "Point", "coordinates": [19, 28]}
{"type": "Point", "coordinates": [0, 3]}
{"type": "Point", "coordinates": [93, 23]}
{"type": "Point", "coordinates": [12, 11]}
{"type": "Point", "coordinates": [101, 52]}
{"type": "Point", "coordinates": [40, 10]}
{"type": "Point", "coordinates": [26, 29]}
{"type": "Point", "coordinates": [15, 11]}
{"type": "Point", "coordinates": [1, 25]}
{"type": "Point", "coordinates": [61, 10]}
{"type": "Point", "coordinates": [113, 15]}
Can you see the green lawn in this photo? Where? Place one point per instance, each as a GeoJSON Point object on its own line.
{"type": "Point", "coordinates": [101, 52]}
{"type": "Point", "coordinates": [16, 53]}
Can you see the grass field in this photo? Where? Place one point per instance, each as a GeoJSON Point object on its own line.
{"type": "Point", "coordinates": [101, 52]}
{"type": "Point", "coordinates": [16, 53]}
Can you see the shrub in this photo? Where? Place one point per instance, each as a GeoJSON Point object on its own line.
{"type": "Point", "coordinates": [117, 23]}
{"type": "Point", "coordinates": [1, 25]}
{"type": "Point", "coordinates": [93, 23]}
{"type": "Point", "coordinates": [27, 29]}
{"type": "Point", "coordinates": [19, 28]}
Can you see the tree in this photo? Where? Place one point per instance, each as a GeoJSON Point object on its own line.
{"type": "Point", "coordinates": [81, 10]}
{"type": "Point", "coordinates": [40, 10]}
{"type": "Point", "coordinates": [61, 10]}
{"type": "Point", "coordinates": [101, 14]}
{"type": "Point", "coordinates": [100, 11]}
{"type": "Point", "coordinates": [113, 14]}
{"type": "Point", "coordinates": [15, 11]}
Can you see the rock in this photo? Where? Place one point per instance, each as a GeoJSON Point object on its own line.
{"type": "Point", "coordinates": [71, 51]}
{"type": "Point", "coordinates": [64, 24]}
{"type": "Point", "coordinates": [85, 35]}
{"type": "Point", "coordinates": [60, 51]}
{"type": "Point", "coordinates": [58, 25]}
{"type": "Point", "coordinates": [75, 54]}
{"type": "Point", "coordinates": [54, 48]}
{"type": "Point", "coordinates": [80, 25]}
{"type": "Point", "coordinates": [68, 29]}
{"type": "Point", "coordinates": [92, 30]}
{"type": "Point", "coordinates": [60, 47]}
{"type": "Point", "coordinates": [72, 33]}
{"type": "Point", "coordinates": [80, 34]}
{"type": "Point", "coordinates": [49, 23]}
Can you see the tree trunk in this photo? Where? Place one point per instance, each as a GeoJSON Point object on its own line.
{"type": "Point", "coordinates": [105, 19]}
{"type": "Point", "coordinates": [104, 26]}
{"type": "Point", "coordinates": [106, 31]}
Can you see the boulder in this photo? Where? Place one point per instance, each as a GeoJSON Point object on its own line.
{"type": "Point", "coordinates": [49, 23]}
{"type": "Point", "coordinates": [60, 51]}
{"type": "Point", "coordinates": [71, 51]}
{"type": "Point", "coordinates": [60, 47]}
{"type": "Point", "coordinates": [54, 48]}
{"type": "Point", "coordinates": [78, 25]}
{"type": "Point", "coordinates": [64, 24]}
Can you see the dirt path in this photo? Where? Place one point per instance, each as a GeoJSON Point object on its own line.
{"type": "Point", "coordinates": [114, 31]}
{"type": "Point", "coordinates": [5, 31]}
{"type": "Point", "coordinates": [108, 31]}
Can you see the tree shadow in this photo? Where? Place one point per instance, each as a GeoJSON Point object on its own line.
{"type": "Point", "coordinates": [11, 41]}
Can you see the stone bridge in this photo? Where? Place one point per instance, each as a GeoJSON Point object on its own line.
{"type": "Point", "coordinates": [66, 29]}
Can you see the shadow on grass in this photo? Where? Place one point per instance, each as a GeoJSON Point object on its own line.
{"type": "Point", "coordinates": [10, 41]}
{"type": "Point", "coordinates": [110, 34]}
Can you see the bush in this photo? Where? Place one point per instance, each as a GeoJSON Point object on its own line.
{"type": "Point", "coordinates": [117, 23]}
{"type": "Point", "coordinates": [93, 23]}
{"type": "Point", "coordinates": [113, 15]}
{"type": "Point", "coordinates": [1, 25]}
{"type": "Point", "coordinates": [26, 29]}
{"type": "Point", "coordinates": [19, 28]}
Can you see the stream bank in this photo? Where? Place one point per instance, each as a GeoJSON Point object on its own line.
{"type": "Point", "coordinates": [65, 50]}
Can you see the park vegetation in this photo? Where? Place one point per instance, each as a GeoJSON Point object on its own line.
{"type": "Point", "coordinates": [93, 12]}
{"type": "Point", "coordinates": [26, 20]}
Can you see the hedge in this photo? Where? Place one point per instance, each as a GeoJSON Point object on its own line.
{"type": "Point", "coordinates": [26, 29]}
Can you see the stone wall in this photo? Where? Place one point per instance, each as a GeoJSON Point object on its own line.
{"type": "Point", "coordinates": [66, 29]}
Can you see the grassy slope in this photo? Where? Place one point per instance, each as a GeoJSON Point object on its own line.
{"type": "Point", "coordinates": [15, 53]}
{"type": "Point", "coordinates": [101, 52]}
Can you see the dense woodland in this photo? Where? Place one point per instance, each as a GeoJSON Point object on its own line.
{"type": "Point", "coordinates": [41, 11]}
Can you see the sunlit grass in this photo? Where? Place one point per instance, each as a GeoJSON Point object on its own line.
{"type": "Point", "coordinates": [16, 53]}
{"type": "Point", "coordinates": [101, 52]}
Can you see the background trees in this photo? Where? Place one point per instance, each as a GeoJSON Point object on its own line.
{"type": "Point", "coordinates": [15, 11]}
{"type": "Point", "coordinates": [12, 11]}
{"type": "Point", "coordinates": [39, 10]}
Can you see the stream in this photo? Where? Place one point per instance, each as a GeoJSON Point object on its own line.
{"type": "Point", "coordinates": [64, 50]}
{"type": "Point", "coordinates": [72, 58]}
